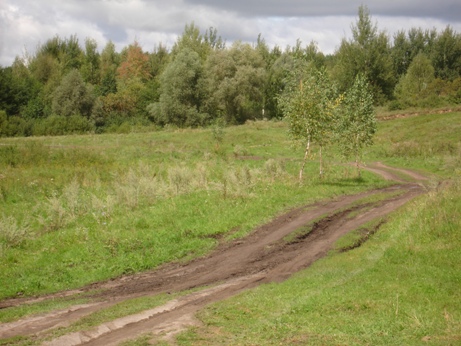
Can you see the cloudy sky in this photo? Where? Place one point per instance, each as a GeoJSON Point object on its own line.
{"type": "Point", "coordinates": [26, 23]}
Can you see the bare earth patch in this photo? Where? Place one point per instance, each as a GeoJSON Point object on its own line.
{"type": "Point", "coordinates": [262, 257]}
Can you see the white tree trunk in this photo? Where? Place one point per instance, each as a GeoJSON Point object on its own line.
{"type": "Point", "coordinates": [321, 163]}
{"type": "Point", "coordinates": [306, 154]}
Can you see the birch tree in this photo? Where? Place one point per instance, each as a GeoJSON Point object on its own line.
{"type": "Point", "coordinates": [309, 106]}
{"type": "Point", "coordinates": [356, 124]}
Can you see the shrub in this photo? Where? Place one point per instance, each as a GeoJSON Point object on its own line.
{"type": "Point", "coordinates": [273, 168]}
{"type": "Point", "coordinates": [180, 178]}
{"type": "Point", "coordinates": [17, 127]}
{"type": "Point", "coordinates": [240, 150]}
{"type": "Point", "coordinates": [395, 105]}
{"type": "Point", "coordinates": [12, 234]}
{"type": "Point", "coordinates": [59, 125]}
{"type": "Point", "coordinates": [3, 123]}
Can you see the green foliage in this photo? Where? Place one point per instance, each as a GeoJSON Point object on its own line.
{"type": "Point", "coordinates": [193, 40]}
{"type": "Point", "coordinates": [179, 102]}
{"type": "Point", "coordinates": [35, 108]}
{"type": "Point", "coordinates": [356, 123]}
{"type": "Point", "coordinates": [446, 56]}
{"type": "Point", "coordinates": [368, 52]}
{"type": "Point", "coordinates": [91, 63]}
{"type": "Point", "coordinates": [109, 64]}
{"type": "Point", "coordinates": [414, 85]}
{"type": "Point", "coordinates": [233, 83]}
{"type": "Point", "coordinates": [218, 132]}
{"type": "Point", "coordinates": [73, 96]}
{"type": "Point", "coordinates": [237, 83]}
{"type": "Point", "coordinates": [309, 104]}
{"type": "Point", "coordinates": [454, 91]}
{"type": "Point", "coordinates": [17, 86]}
{"type": "Point", "coordinates": [3, 123]}
{"type": "Point", "coordinates": [136, 201]}
{"type": "Point", "coordinates": [13, 126]}
{"type": "Point", "coordinates": [407, 45]}
{"type": "Point", "coordinates": [398, 288]}
{"type": "Point", "coordinates": [56, 125]}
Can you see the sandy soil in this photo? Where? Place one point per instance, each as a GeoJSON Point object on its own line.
{"type": "Point", "coordinates": [262, 257]}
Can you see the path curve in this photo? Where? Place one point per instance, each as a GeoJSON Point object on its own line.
{"type": "Point", "coordinates": [264, 256]}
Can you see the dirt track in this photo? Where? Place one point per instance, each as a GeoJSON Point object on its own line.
{"type": "Point", "coordinates": [264, 256]}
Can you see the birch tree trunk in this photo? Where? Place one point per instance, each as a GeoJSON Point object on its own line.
{"type": "Point", "coordinates": [306, 154]}
{"type": "Point", "coordinates": [357, 156]}
{"type": "Point", "coordinates": [321, 163]}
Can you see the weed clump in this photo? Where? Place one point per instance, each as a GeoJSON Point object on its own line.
{"type": "Point", "coordinates": [11, 232]}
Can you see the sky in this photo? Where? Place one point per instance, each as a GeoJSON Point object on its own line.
{"type": "Point", "coordinates": [24, 24]}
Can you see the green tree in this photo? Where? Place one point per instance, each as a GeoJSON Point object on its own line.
{"type": "Point", "coordinates": [109, 64]}
{"type": "Point", "coordinates": [66, 52]}
{"type": "Point", "coordinates": [25, 86]}
{"type": "Point", "coordinates": [213, 40]}
{"type": "Point", "coordinates": [73, 96]}
{"type": "Point", "coordinates": [407, 45]}
{"type": "Point", "coordinates": [158, 60]}
{"type": "Point", "coordinates": [413, 86]}
{"type": "Point", "coordinates": [309, 105]}
{"type": "Point", "coordinates": [180, 100]}
{"type": "Point", "coordinates": [193, 40]}
{"type": "Point", "coordinates": [356, 123]}
{"type": "Point", "coordinates": [369, 53]}
{"type": "Point", "coordinates": [91, 63]}
{"type": "Point", "coordinates": [71, 55]}
{"type": "Point", "coordinates": [234, 84]}
{"type": "Point", "coordinates": [276, 73]}
{"type": "Point", "coordinates": [3, 123]}
{"type": "Point", "coordinates": [446, 56]}
{"type": "Point", "coordinates": [7, 97]}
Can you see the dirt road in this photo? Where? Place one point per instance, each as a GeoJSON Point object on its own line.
{"type": "Point", "coordinates": [272, 253]}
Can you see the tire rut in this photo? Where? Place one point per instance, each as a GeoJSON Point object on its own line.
{"type": "Point", "coordinates": [262, 257]}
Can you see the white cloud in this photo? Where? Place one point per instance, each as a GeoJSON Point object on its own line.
{"type": "Point", "coordinates": [26, 23]}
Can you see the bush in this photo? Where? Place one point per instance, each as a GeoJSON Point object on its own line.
{"type": "Point", "coordinates": [13, 126]}
{"type": "Point", "coordinates": [395, 105]}
{"type": "Point", "coordinates": [3, 123]}
{"type": "Point", "coordinates": [60, 125]}
{"type": "Point", "coordinates": [12, 234]}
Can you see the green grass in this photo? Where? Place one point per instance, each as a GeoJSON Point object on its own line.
{"type": "Point", "coordinates": [132, 202]}
{"type": "Point", "coordinates": [80, 209]}
{"type": "Point", "coordinates": [15, 313]}
{"type": "Point", "coordinates": [400, 287]}
{"type": "Point", "coordinates": [122, 309]}
{"type": "Point", "coordinates": [429, 142]}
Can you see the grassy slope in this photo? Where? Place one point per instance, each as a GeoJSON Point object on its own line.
{"type": "Point", "coordinates": [402, 287]}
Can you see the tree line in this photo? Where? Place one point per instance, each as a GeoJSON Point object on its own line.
{"type": "Point", "coordinates": [69, 87]}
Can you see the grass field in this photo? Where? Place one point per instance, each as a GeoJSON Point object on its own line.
{"type": "Point", "coordinates": [402, 287]}
{"type": "Point", "coordinates": [80, 209]}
